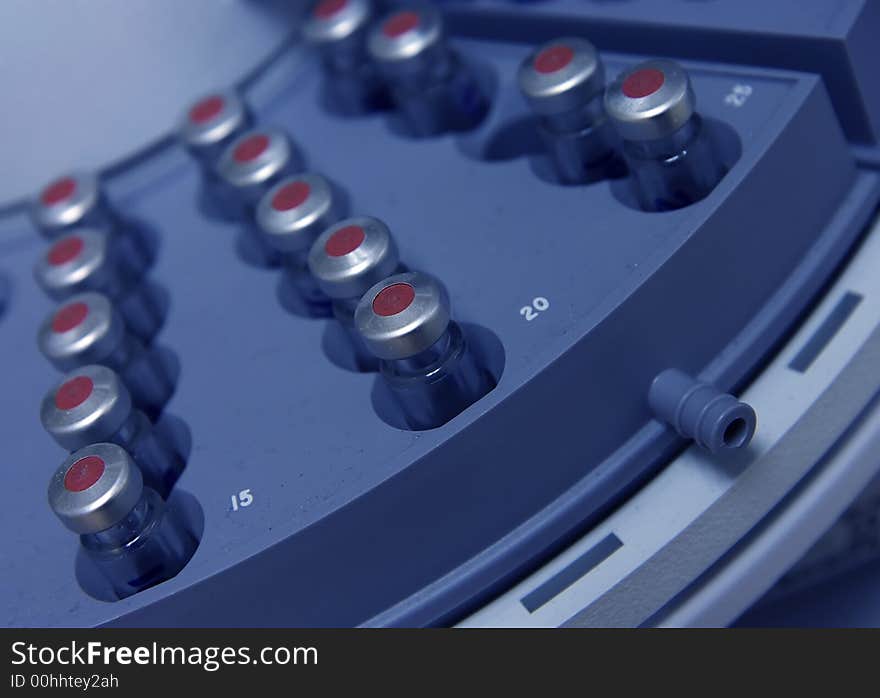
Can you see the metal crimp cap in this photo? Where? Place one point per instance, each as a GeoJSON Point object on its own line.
{"type": "Point", "coordinates": [403, 315]}
{"type": "Point", "coordinates": [65, 201]}
{"type": "Point", "coordinates": [84, 330]}
{"type": "Point", "coordinates": [352, 255]}
{"type": "Point", "coordinates": [334, 21]}
{"type": "Point", "coordinates": [212, 119]}
{"type": "Point", "coordinates": [561, 75]}
{"type": "Point", "coordinates": [87, 405]}
{"type": "Point", "coordinates": [255, 157]}
{"type": "Point", "coordinates": [651, 100]}
{"type": "Point", "coordinates": [407, 41]}
{"type": "Point", "coordinates": [95, 488]}
{"type": "Point", "coordinates": [73, 262]}
{"type": "Point", "coordinates": [295, 211]}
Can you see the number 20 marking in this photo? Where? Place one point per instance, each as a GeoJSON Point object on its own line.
{"type": "Point", "coordinates": [539, 305]}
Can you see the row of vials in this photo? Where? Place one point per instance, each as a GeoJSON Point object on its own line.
{"type": "Point", "coordinates": [112, 489]}
{"type": "Point", "coordinates": [646, 116]}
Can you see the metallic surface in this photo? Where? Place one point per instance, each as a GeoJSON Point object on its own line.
{"type": "Point", "coordinates": [203, 137]}
{"type": "Point", "coordinates": [414, 329]}
{"type": "Point", "coordinates": [658, 114]}
{"type": "Point", "coordinates": [245, 176]}
{"type": "Point", "coordinates": [350, 275]}
{"type": "Point", "coordinates": [92, 340]}
{"type": "Point", "coordinates": [53, 218]}
{"type": "Point", "coordinates": [567, 88]}
{"type": "Point", "coordinates": [335, 29]}
{"type": "Point", "coordinates": [295, 229]}
{"type": "Point", "coordinates": [91, 269]}
{"type": "Point", "coordinates": [411, 53]}
{"type": "Point", "coordinates": [95, 419]}
{"type": "Point", "coordinates": [108, 264]}
{"type": "Point", "coordinates": [107, 501]}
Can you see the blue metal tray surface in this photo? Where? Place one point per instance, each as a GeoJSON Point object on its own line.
{"type": "Point", "coordinates": [356, 519]}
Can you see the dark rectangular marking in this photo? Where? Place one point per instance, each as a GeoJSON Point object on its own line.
{"type": "Point", "coordinates": [567, 576]}
{"type": "Point", "coordinates": [825, 332]}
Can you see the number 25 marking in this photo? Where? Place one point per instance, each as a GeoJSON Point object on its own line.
{"type": "Point", "coordinates": [539, 305]}
{"type": "Point", "coordinates": [738, 95]}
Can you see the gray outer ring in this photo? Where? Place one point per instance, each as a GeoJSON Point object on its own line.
{"type": "Point", "coordinates": [568, 88]}
{"type": "Point", "coordinates": [105, 503]}
{"type": "Point", "coordinates": [85, 199]}
{"type": "Point", "coordinates": [749, 506]}
{"type": "Point", "coordinates": [412, 51]}
{"type": "Point", "coordinates": [89, 342]}
{"type": "Point", "coordinates": [232, 117]}
{"type": "Point", "coordinates": [97, 418]}
{"type": "Point", "coordinates": [351, 18]}
{"type": "Point", "coordinates": [350, 275]}
{"type": "Point", "coordinates": [414, 329]}
{"type": "Point", "coordinates": [657, 115]}
{"type": "Point", "coordinates": [269, 163]}
{"type": "Point", "coordinates": [295, 230]}
{"type": "Point", "coordinates": [59, 281]}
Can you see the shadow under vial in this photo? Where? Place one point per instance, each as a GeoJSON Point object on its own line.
{"type": "Point", "coordinates": [722, 139]}
{"type": "Point", "coordinates": [488, 351]}
{"type": "Point", "coordinates": [182, 509]}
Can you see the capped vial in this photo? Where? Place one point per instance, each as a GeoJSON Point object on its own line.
{"type": "Point", "coordinates": [346, 260]}
{"type": "Point", "coordinates": [290, 217]}
{"type": "Point", "coordinates": [88, 330]}
{"type": "Point", "coordinates": [296, 211]}
{"type": "Point", "coordinates": [352, 255]}
{"type": "Point", "coordinates": [91, 260]}
{"type": "Point", "coordinates": [432, 88]}
{"type": "Point", "coordinates": [405, 321]}
{"type": "Point", "coordinates": [670, 154]}
{"type": "Point", "coordinates": [76, 199]}
{"type": "Point", "coordinates": [338, 30]}
{"type": "Point", "coordinates": [211, 123]}
{"type": "Point", "coordinates": [252, 163]}
{"type": "Point", "coordinates": [127, 531]}
{"type": "Point", "coordinates": [564, 82]}
{"type": "Point", "coordinates": [92, 404]}
{"type": "Point", "coordinates": [250, 166]}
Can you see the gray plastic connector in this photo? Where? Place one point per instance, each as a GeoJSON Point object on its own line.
{"type": "Point", "coordinates": [714, 419]}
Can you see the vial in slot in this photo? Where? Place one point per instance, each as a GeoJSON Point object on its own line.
{"type": "Point", "coordinates": [564, 84]}
{"type": "Point", "coordinates": [205, 129]}
{"type": "Point", "coordinates": [87, 329]}
{"type": "Point", "coordinates": [338, 30]}
{"type": "Point", "coordinates": [672, 159]}
{"type": "Point", "coordinates": [346, 260]}
{"type": "Point", "coordinates": [77, 200]}
{"type": "Point", "coordinates": [432, 87]}
{"type": "Point", "coordinates": [424, 356]}
{"type": "Point", "coordinates": [92, 404]}
{"type": "Point", "coordinates": [90, 260]}
{"type": "Point", "coordinates": [210, 124]}
{"type": "Point", "coordinates": [73, 200]}
{"type": "Point", "coordinates": [249, 167]}
{"type": "Point", "coordinates": [125, 528]}
{"type": "Point", "coordinates": [290, 217]}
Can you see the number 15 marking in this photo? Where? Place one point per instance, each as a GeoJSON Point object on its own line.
{"type": "Point", "coordinates": [242, 499]}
